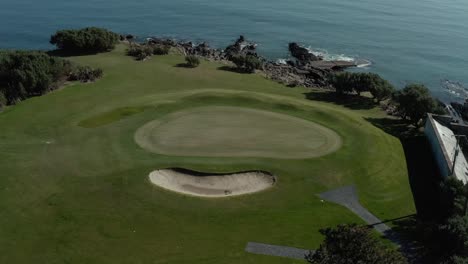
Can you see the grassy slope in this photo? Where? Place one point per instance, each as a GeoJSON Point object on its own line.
{"type": "Point", "coordinates": [70, 194]}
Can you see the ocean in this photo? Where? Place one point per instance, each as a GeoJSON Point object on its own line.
{"type": "Point", "coordinates": [424, 41]}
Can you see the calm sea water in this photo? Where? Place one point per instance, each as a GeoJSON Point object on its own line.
{"type": "Point", "coordinates": [422, 41]}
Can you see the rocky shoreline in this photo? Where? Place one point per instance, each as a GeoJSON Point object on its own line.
{"type": "Point", "coordinates": [304, 69]}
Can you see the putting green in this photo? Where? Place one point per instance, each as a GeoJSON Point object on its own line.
{"type": "Point", "coordinates": [236, 132]}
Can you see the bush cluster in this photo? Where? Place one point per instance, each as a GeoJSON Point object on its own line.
{"type": "Point", "coordinates": [141, 52]}
{"type": "Point", "coordinates": [414, 102]}
{"type": "Point", "coordinates": [25, 74]}
{"type": "Point", "coordinates": [161, 49]}
{"type": "Point", "coordinates": [192, 61]}
{"type": "Point", "coordinates": [247, 63]}
{"type": "Point", "coordinates": [85, 74]}
{"type": "Point", "coordinates": [84, 41]}
{"type": "Point", "coordinates": [348, 82]}
{"type": "Point", "coordinates": [353, 244]}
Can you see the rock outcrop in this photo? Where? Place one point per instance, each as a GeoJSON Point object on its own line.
{"type": "Point", "coordinates": [291, 74]}
{"type": "Point", "coordinates": [306, 69]}
{"type": "Point", "coordinates": [241, 48]}
{"type": "Point", "coordinates": [302, 54]}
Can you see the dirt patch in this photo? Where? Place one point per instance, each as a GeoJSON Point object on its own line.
{"type": "Point", "coordinates": [212, 185]}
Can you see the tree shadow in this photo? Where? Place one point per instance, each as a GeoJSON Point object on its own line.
{"type": "Point", "coordinates": [231, 69]}
{"type": "Point", "coordinates": [420, 245]}
{"type": "Point", "coordinates": [64, 53]}
{"type": "Point", "coordinates": [351, 101]}
{"type": "Point", "coordinates": [184, 65]}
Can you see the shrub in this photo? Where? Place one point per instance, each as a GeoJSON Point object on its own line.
{"type": "Point", "coordinates": [86, 40]}
{"type": "Point", "coordinates": [192, 61]}
{"type": "Point", "coordinates": [29, 73]}
{"type": "Point", "coordinates": [247, 64]}
{"type": "Point", "coordinates": [140, 52]}
{"type": "Point", "coordinates": [161, 49]}
{"type": "Point", "coordinates": [85, 74]}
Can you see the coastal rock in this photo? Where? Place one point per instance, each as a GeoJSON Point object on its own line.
{"type": "Point", "coordinates": [206, 51]}
{"type": "Point", "coordinates": [241, 48]}
{"type": "Point", "coordinates": [162, 41]}
{"type": "Point", "coordinates": [306, 70]}
{"type": "Point", "coordinates": [293, 75]}
{"type": "Point", "coordinates": [302, 54]}
{"type": "Point", "coordinates": [462, 109]}
{"type": "Point", "coordinates": [332, 65]}
{"type": "Point", "coordinates": [128, 37]}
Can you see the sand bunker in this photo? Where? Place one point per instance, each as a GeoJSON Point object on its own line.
{"type": "Point", "coordinates": [212, 185]}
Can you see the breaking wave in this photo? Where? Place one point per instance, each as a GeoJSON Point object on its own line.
{"type": "Point", "coordinates": [455, 88]}
{"type": "Point", "coordinates": [360, 63]}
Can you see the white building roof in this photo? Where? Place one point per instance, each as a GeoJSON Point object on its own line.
{"type": "Point", "coordinates": [449, 143]}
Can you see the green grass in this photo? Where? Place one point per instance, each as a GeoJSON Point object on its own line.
{"type": "Point", "coordinates": [111, 116]}
{"type": "Point", "coordinates": [214, 131]}
{"type": "Point", "coordinates": [73, 194]}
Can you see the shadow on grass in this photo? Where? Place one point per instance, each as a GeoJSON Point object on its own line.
{"type": "Point", "coordinates": [417, 231]}
{"type": "Point", "coordinates": [184, 65]}
{"type": "Point", "coordinates": [64, 54]}
{"type": "Point", "coordinates": [422, 170]}
{"type": "Point", "coordinates": [231, 69]}
{"type": "Point", "coordinates": [419, 237]}
{"type": "Point", "coordinates": [355, 102]}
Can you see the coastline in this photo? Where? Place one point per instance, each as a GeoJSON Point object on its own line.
{"type": "Point", "coordinates": [304, 68]}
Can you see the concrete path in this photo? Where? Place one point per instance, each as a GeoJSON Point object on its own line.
{"type": "Point", "coordinates": [347, 197]}
{"type": "Point", "coordinates": [278, 251]}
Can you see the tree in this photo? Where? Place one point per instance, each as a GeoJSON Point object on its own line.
{"type": "Point", "coordinates": [380, 88]}
{"type": "Point", "coordinates": [352, 244]}
{"type": "Point", "coordinates": [342, 82]}
{"type": "Point", "coordinates": [457, 260]}
{"type": "Point", "coordinates": [192, 61]}
{"type": "Point", "coordinates": [247, 64]}
{"type": "Point", "coordinates": [347, 82]}
{"type": "Point", "coordinates": [3, 100]}
{"type": "Point", "coordinates": [414, 102]}
{"type": "Point", "coordinates": [453, 197]}
{"type": "Point", "coordinates": [85, 41]}
{"type": "Point", "coordinates": [454, 235]}
{"type": "Point", "coordinates": [29, 73]}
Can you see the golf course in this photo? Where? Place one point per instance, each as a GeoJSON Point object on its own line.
{"type": "Point", "coordinates": [75, 182]}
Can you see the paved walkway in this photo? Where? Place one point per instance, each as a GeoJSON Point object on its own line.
{"type": "Point", "coordinates": [347, 197]}
{"type": "Point", "coordinates": [274, 250]}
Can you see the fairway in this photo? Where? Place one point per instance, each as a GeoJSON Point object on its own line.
{"type": "Point", "coordinates": [75, 166]}
{"type": "Point", "coordinates": [236, 132]}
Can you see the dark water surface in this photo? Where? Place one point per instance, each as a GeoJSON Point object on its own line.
{"type": "Point", "coordinates": [407, 41]}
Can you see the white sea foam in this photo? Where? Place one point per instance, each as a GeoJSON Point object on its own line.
{"type": "Point", "coordinates": [325, 55]}
{"type": "Point", "coordinates": [281, 61]}
{"type": "Point", "coordinates": [455, 88]}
